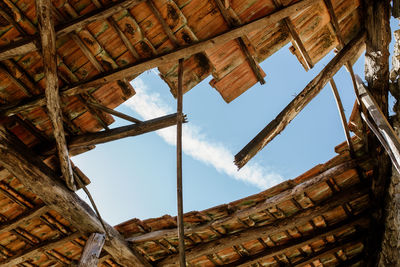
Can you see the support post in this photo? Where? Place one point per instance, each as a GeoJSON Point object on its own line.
{"type": "Point", "coordinates": [92, 249]}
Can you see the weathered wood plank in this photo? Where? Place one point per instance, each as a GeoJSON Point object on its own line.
{"type": "Point", "coordinates": [159, 60]}
{"type": "Point", "coordinates": [92, 249]}
{"type": "Point", "coordinates": [48, 40]}
{"type": "Point", "coordinates": [266, 230]}
{"type": "Point", "coordinates": [42, 181]}
{"type": "Point", "coordinates": [312, 89]}
{"type": "Point", "coordinates": [114, 112]}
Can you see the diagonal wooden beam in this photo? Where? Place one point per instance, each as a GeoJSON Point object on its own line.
{"type": "Point", "coordinates": [162, 59]}
{"type": "Point", "coordinates": [266, 230]}
{"type": "Point", "coordinates": [28, 44]}
{"type": "Point", "coordinates": [113, 112]}
{"type": "Point", "coordinates": [48, 40]}
{"type": "Point", "coordinates": [91, 252]}
{"type": "Point", "coordinates": [312, 89]}
{"type": "Point", "coordinates": [42, 181]}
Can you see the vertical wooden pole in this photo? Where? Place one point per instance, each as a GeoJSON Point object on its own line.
{"type": "Point", "coordinates": [92, 250]}
{"type": "Point", "coordinates": [181, 232]}
{"type": "Point", "coordinates": [48, 40]}
{"type": "Point", "coordinates": [342, 117]}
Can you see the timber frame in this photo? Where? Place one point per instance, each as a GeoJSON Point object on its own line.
{"type": "Point", "coordinates": [66, 65]}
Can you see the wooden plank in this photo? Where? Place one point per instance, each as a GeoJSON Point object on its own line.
{"type": "Point", "coordinates": [286, 195]}
{"type": "Point", "coordinates": [254, 233]}
{"type": "Point", "coordinates": [164, 24]}
{"type": "Point", "coordinates": [48, 40]}
{"type": "Point", "coordinates": [179, 191]}
{"type": "Point", "coordinates": [312, 89]}
{"type": "Point", "coordinates": [162, 59]}
{"type": "Point", "coordinates": [92, 249]}
{"type": "Point", "coordinates": [118, 133]}
{"type": "Point", "coordinates": [114, 112]}
{"type": "Point", "coordinates": [42, 181]}
{"type": "Point", "coordinates": [38, 250]}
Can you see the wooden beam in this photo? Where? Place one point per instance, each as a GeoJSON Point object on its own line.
{"type": "Point", "coordinates": [164, 24]}
{"type": "Point", "coordinates": [38, 250]}
{"type": "Point", "coordinates": [298, 243]}
{"type": "Point", "coordinates": [231, 24]}
{"type": "Point", "coordinates": [48, 39]}
{"type": "Point", "coordinates": [286, 195]}
{"type": "Point", "coordinates": [42, 181]}
{"type": "Point", "coordinates": [91, 252]}
{"type": "Point", "coordinates": [114, 112]}
{"type": "Point", "coordinates": [162, 59]}
{"type": "Point", "coordinates": [312, 89]}
{"type": "Point", "coordinates": [179, 190]}
{"type": "Point", "coordinates": [254, 233]}
{"type": "Point", "coordinates": [28, 45]}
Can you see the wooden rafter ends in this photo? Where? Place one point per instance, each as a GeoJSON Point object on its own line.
{"type": "Point", "coordinates": [91, 252]}
{"type": "Point", "coordinates": [181, 230]}
{"type": "Point", "coordinates": [172, 56]}
{"type": "Point", "coordinates": [300, 101]}
{"type": "Point", "coordinates": [48, 40]}
{"type": "Point", "coordinates": [42, 181]}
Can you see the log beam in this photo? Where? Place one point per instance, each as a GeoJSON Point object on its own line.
{"type": "Point", "coordinates": [92, 249]}
{"type": "Point", "coordinates": [42, 181]}
{"type": "Point", "coordinates": [312, 89]}
{"type": "Point", "coordinates": [159, 60]}
{"type": "Point", "coordinates": [48, 40]}
{"type": "Point", "coordinates": [266, 230]}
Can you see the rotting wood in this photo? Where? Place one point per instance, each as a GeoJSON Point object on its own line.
{"type": "Point", "coordinates": [312, 89]}
{"type": "Point", "coordinates": [161, 59]}
{"type": "Point", "coordinates": [48, 40]}
{"type": "Point", "coordinates": [118, 133]}
{"type": "Point", "coordinates": [91, 252]}
{"type": "Point", "coordinates": [298, 243]}
{"type": "Point", "coordinates": [286, 195]}
{"type": "Point", "coordinates": [342, 117]}
{"type": "Point", "coordinates": [38, 250]}
{"type": "Point", "coordinates": [231, 23]}
{"type": "Point", "coordinates": [28, 44]}
{"type": "Point", "coordinates": [386, 131]}
{"type": "Point", "coordinates": [266, 230]}
{"type": "Point", "coordinates": [179, 191]}
{"type": "Point", "coordinates": [114, 112]}
{"type": "Point", "coordinates": [42, 181]}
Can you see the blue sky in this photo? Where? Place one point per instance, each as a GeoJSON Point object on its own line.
{"type": "Point", "coordinates": [136, 177]}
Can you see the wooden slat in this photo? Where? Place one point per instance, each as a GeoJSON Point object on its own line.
{"type": "Point", "coordinates": [48, 40]}
{"type": "Point", "coordinates": [159, 60]}
{"type": "Point", "coordinates": [43, 182]}
{"type": "Point", "coordinates": [312, 89]}
{"type": "Point", "coordinates": [267, 230]}
{"type": "Point", "coordinates": [91, 252]}
{"type": "Point", "coordinates": [22, 219]}
{"type": "Point", "coordinates": [286, 195]}
{"type": "Point", "coordinates": [164, 24]}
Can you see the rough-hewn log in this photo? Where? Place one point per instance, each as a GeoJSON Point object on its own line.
{"type": "Point", "coordinates": [159, 60]}
{"type": "Point", "coordinates": [38, 250]}
{"type": "Point", "coordinates": [300, 101]}
{"type": "Point", "coordinates": [25, 46]}
{"type": "Point", "coordinates": [271, 202]}
{"type": "Point", "coordinates": [318, 234]}
{"type": "Point", "coordinates": [42, 181]}
{"type": "Point", "coordinates": [48, 40]}
{"type": "Point", "coordinates": [22, 219]}
{"type": "Point", "coordinates": [91, 252]}
{"type": "Point", "coordinates": [266, 230]}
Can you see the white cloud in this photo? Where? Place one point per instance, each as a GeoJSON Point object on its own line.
{"type": "Point", "coordinates": [150, 105]}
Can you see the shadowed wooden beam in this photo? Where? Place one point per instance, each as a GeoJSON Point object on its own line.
{"type": "Point", "coordinates": [38, 250]}
{"type": "Point", "coordinates": [42, 181]}
{"type": "Point", "coordinates": [118, 133]}
{"type": "Point", "coordinates": [286, 195]}
{"type": "Point", "coordinates": [232, 23]}
{"type": "Point", "coordinates": [254, 233]}
{"type": "Point", "coordinates": [312, 89]}
{"type": "Point", "coordinates": [48, 40]}
{"type": "Point", "coordinates": [159, 60]}
{"type": "Point", "coordinates": [27, 45]}
{"type": "Point", "coordinates": [91, 252]}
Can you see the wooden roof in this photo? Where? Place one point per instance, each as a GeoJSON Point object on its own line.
{"type": "Point", "coordinates": [100, 47]}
